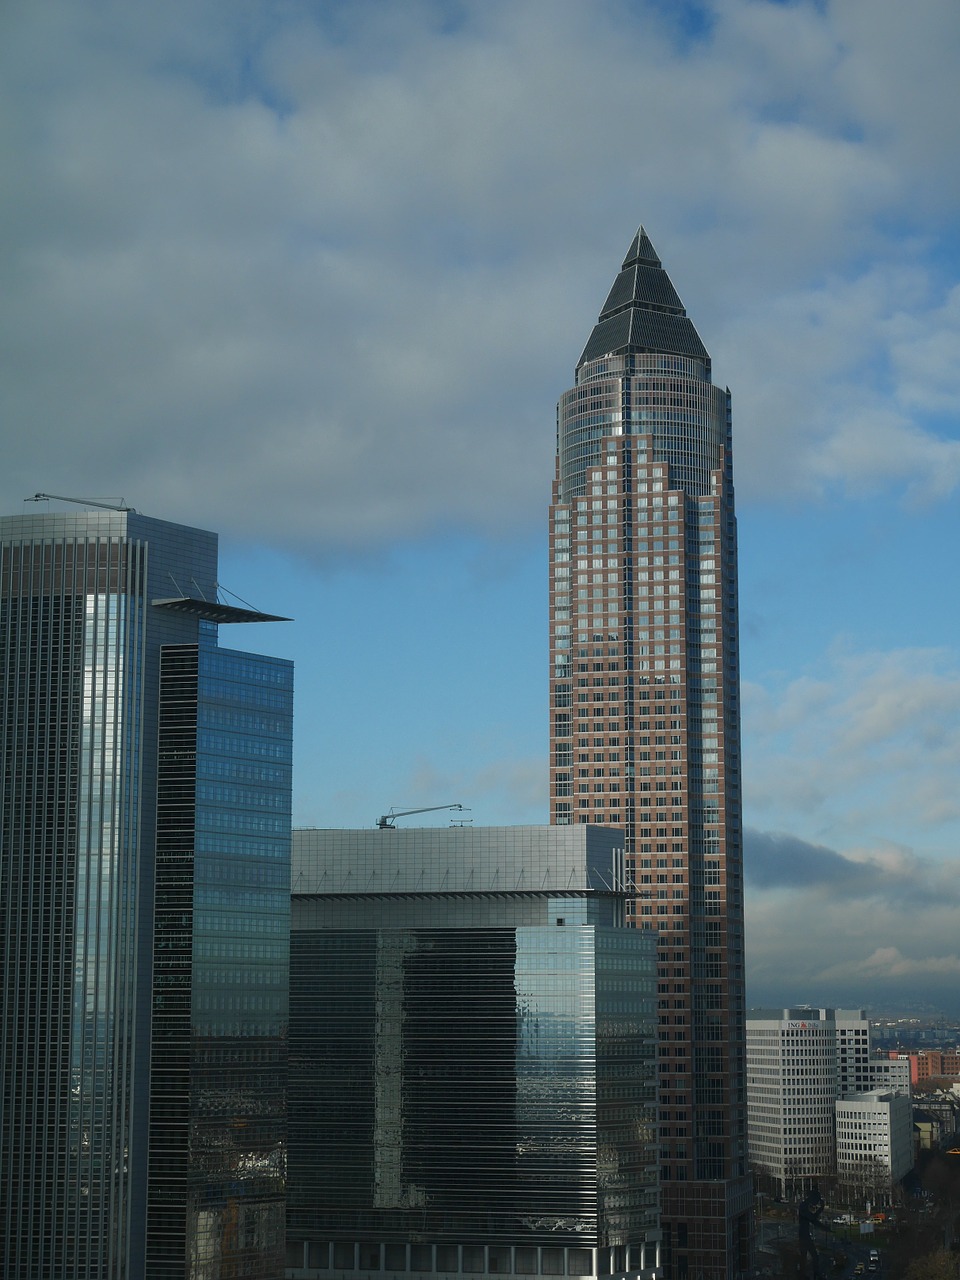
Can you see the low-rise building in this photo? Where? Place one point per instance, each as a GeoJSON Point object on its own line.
{"type": "Point", "coordinates": [937, 1064]}
{"type": "Point", "coordinates": [927, 1129]}
{"type": "Point", "coordinates": [942, 1103]}
{"type": "Point", "coordinates": [890, 1074]}
{"type": "Point", "coordinates": [874, 1142]}
{"type": "Point", "coordinates": [929, 1064]}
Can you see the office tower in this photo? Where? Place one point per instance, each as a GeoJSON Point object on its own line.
{"type": "Point", "coordinates": [144, 910]}
{"type": "Point", "coordinates": [791, 1095]}
{"type": "Point", "coordinates": [472, 1057]}
{"type": "Point", "coordinates": [645, 716]}
{"type": "Point", "coordinates": [817, 1102]}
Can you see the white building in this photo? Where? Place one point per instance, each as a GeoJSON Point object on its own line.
{"type": "Point", "coordinates": [857, 1070]}
{"type": "Point", "coordinates": [791, 1092]}
{"type": "Point", "coordinates": [890, 1075]}
{"type": "Point", "coordinates": [853, 1051]}
{"type": "Point", "coordinates": [802, 1065]}
{"type": "Point", "coordinates": [874, 1141]}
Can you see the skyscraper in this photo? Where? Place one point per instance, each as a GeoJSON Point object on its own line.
{"type": "Point", "coordinates": [472, 1057]}
{"type": "Point", "coordinates": [144, 910]}
{"type": "Point", "coordinates": [792, 1074]}
{"type": "Point", "coordinates": [645, 724]}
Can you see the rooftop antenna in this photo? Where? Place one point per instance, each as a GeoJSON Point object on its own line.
{"type": "Point", "coordinates": [82, 502]}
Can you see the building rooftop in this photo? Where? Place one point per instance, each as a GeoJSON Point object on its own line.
{"type": "Point", "coordinates": [643, 311]}
{"type": "Point", "coordinates": [532, 859]}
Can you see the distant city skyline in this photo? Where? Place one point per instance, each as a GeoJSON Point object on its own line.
{"type": "Point", "coordinates": [311, 276]}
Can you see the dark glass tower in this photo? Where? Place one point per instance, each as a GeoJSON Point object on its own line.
{"type": "Point", "coordinates": [472, 1057]}
{"type": "Point", "coordinates": [645, 719]}
{"type": "Point", "coordinates": [144, 910]}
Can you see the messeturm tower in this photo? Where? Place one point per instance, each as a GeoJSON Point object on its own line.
{"type": "Point", "coordinates": [645, 717]}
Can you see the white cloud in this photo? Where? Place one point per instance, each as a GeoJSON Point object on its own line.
{"type": "Point", "coordinates": [297, 263]}
{"type": "Point", "coordinates": [899, 78]}
{"type": "Point", "coordinates": [852, 848]}
{"type": "Point", "coordinates": [889, 962]}
{"type": "Point", "coordinates": [923, 351]}
{"type": "Point", "coordinates": [829, 389]}
{"type": "Point", "coordinates": [877, 449]}
{"type": "Point", "coordinates": [872, 747]}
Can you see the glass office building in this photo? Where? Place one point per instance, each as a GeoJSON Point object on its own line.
{"type": "Point", "coordinates": [472, 1086]}
{"type": "Point", "coordinates": [144, 909]}
{"type": "Point", "coordinates": [645, 717]}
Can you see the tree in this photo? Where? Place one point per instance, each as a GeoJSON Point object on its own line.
{"type": "Point", "coordinates": [868, 1179]}
{"type": "Point", "coordinates": [941, 1265]}
{"type": "Point", "coordinates": [765, 1180]}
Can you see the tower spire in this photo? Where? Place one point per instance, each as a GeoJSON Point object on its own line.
{"type": "Point", "coordinates": [641, 250]}
{"type": "Point", "coordinates": [643, 311]}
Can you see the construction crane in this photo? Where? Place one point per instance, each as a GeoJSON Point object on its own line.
{"type": "Point", "coordinates": [385, 823]}
{"type": "Point", "coordinates": [82, 502]}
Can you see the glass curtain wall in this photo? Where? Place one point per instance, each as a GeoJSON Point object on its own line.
{"type": "Point", "coordinates": [472, 1099]}
{"type": "Point", "coordinates": [218, 1118]}
{"type": "Point", "coordinates": [71, 651]}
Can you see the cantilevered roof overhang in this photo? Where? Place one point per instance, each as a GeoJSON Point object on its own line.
{"type": "Point", "coordinates": [213, 611]}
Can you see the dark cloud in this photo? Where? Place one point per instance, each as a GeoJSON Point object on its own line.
{"type": "Point", "coordinates": [774, 860]}
{"type": "Point", "coordinates": [877, 930]}
{"type": "Point", "coordinates": [898, 878]}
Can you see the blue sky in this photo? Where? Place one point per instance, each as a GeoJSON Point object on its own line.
{"type": "Point", "coordinates": [315, 275]}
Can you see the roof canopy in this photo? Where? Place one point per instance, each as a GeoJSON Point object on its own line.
{"type": "Point", "coordinates": [213, 611]}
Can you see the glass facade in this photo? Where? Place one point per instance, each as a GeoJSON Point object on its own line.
{"type": "Point", "coordinates": [645, 721]}
{"type": "Point", "coordinates": [218, 1105]}
{"type": "Point", "coordinates": [101, 873]}
{"type": "Point", "coordinates": [72, 613]}
{"type": "Point", "coordinates": [468, 1095]}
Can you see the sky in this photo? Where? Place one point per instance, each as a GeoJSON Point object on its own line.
{"type": "Point", "coordinates": [314, 275]}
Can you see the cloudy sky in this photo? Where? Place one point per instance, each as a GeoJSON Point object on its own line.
{"type": "Point", "coordinates": [314, 274]}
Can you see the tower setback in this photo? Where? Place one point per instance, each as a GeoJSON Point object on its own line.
{"type": "Point", "coordinates": [645, 720]}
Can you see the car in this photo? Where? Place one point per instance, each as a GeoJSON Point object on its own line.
{"type": "Point", "coordinates": [873, 1264]}
{"type": "Point", "coordinates": [859, 1269]}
